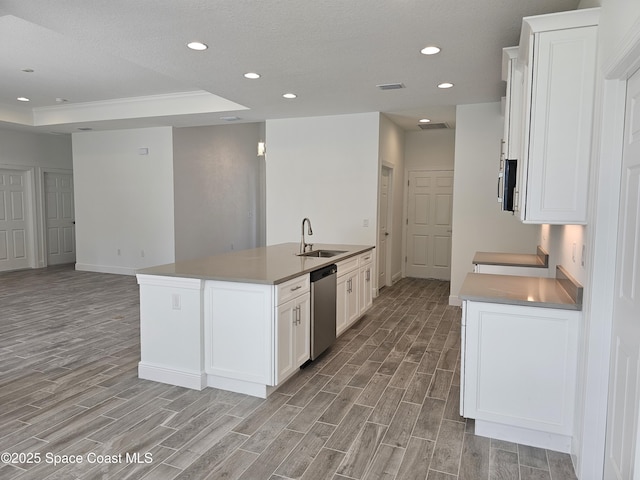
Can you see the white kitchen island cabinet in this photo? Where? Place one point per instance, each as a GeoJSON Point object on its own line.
{"type": "Point", "coordinates": [355, 290]}
{"type": "Point", "coordinates": [557, 59]}
{"type": "Point", "coordinates": [519, 352]}
{"type": "Point", "coordinates": [239, 321]}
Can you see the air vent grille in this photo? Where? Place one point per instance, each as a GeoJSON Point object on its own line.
{"type": "Point", "coordinates": [433, 126]}
{"type": "Point", "coordinates": [390, 86]}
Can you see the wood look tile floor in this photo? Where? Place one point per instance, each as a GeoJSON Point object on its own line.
{"type": "Point", "coordinates": [381, 404]}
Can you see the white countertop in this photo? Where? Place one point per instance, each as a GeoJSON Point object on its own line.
{"type": "Point", "coordinates": [266, 265]}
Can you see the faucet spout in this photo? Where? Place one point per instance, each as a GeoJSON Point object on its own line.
{"type": "Point", "coordinates": [303, 243]}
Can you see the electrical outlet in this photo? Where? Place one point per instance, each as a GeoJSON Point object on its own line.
{"type": "Point", "coordinates": [365, 222]}
{"type": "Point", "coordinates": [573, 253]}
{"type": "Point", "coordinates": [119, 252]}
{"type": "Point", "coordinates": [142, 253]}
{"type": "Point", "coordinates": [582, 256]}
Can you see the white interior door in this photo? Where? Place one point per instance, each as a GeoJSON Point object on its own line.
{"type": "Point", "coordinates": [383, 227]}
{"type": "Point", "coordinates": [60, 223]}
{"type": "Point", "coordinates": [15, 231]}
{"type": "Point", "coordinates": [430, 207]}
{"type": "Point", "coordinates": [622, 422]}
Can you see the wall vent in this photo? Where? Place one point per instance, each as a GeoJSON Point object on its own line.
{"type": "Point", "coordinates": [433, 126]}
{"type": "Point", "coordinates": [390, 86]}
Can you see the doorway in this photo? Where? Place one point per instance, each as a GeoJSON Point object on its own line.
{"type": "Point", "coordinates": [622, 424]}
{"type": "Point", "coordinates": [16, 232]}
{"type": "Point", "coordinates": [60, 218]}
{"type": "Point", "coordinates": [384, 225]}
{"type": "Point", "coordinates": [429, 215]}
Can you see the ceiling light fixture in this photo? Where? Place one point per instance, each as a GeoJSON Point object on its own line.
{"type": "Point", "coordinates": [198, 46]}
{"type": "Point", "coordinates": [430, 50]}
{"type": "Point", "coordinates": [28, 70]}
{"type": "Point", "coordinates": [445, 85]}
{"type": "Point", "coordinates": [252, 75]}
{"type": "Point", "coordinates": [23, 99]}
{"type": "Point", "coordinates": [424, 120]}
{"type": "Point", "coordinates": [289, 95]}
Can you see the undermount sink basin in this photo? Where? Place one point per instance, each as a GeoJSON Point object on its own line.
{"type": "Point", "coordinates": [321, 253]}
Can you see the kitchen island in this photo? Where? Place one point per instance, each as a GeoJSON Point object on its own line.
{"type": "Point", "coordinates": [519, 357]}
{"type": "Point", "coordinates": [225, 321]}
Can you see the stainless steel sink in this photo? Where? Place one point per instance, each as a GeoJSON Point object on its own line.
{"type": "Point", "coordinates": [321, 253]}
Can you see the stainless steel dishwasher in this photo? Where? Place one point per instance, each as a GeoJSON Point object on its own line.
{"type": "Point", "coordinates": [323, 309]}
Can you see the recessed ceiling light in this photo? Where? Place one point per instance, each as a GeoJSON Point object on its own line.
{"type": "Point", "coordinates": [22, 99]}
{"type": "Point", "coordinates": [445, 85]}
{"type": "Point", "coordinates": [230, 119]}
{"type": "Point", "coordinates": [28, 70]}
{"type": "Point", "coordinates": [199, 46]}
{"type": "Point", "coordinates": [424, 120]}
{"type": "Point", "coordinates": [430, 50]}
{"type": "Point", "coordinates": [252, 75]}
{"type": "Point", "coordinates": [61, 100]}
{"type": "Point", "coordinates": [85, 129]}
{"type": "Point", "coordinates": [289, 95]}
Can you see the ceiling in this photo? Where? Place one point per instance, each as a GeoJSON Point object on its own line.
{"type": "Point", "coordinates": [107, 64]}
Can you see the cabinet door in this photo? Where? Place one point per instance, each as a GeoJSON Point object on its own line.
{"type": "Point", "coordinates": [302, 330]}
{"type": "Point", "coordinates": [520, 366]}
{"type": "Point", "coordinates": [285, 340]}
{"type": "Point", "coordinates": [341, 304]}
{"type": "Point", "coordinates": [366, 295]}
{"type": "Point", "coordinates": [563, 82]}
{"type": "Point", "coordinates": [353, 294]}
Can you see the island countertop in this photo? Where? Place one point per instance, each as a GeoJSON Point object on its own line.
{"type": "Point", "coordinates": [537, 260]}
{"type": "Point", "coordinates": [271, 265]}
{"type": "Point", "coordinates": [561, 292]}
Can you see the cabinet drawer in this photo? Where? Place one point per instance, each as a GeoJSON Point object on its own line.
{"type": "Point", "coordinates": [291, 289]}
{"type": "Point", "coordinates": [348, 265]}
{"type": "Point", "coordinates": [365, 258]}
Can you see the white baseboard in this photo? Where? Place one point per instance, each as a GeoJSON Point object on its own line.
{"type": "Point", "coordinates": [239, 386]}
{"type": "Point", "coordinates": [455, 301]}
{"type": "Point", "coordinates": [86, 267]}
{"type": "Point", "coordinates": [524, 436]}
{"type": "Point", "coordinates": [158, 373]}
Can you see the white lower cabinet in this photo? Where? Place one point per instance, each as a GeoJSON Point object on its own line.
{"type": "Point", "coordinates": [255, 336]}
{"type": "Point", "coordinates": [355, 290]}
{"type": "Point", "coordinates": [293, 335]}
{"type": "Point", "coordinates": [519, 372]}
{"type": "Point", "coordinates": [366, 282]}
{"type": "Point", "coordinates": [347, 303]}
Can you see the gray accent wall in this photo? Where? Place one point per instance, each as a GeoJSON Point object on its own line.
{"type": "Point", "coordinates": [217, 189]}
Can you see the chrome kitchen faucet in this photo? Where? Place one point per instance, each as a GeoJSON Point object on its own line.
{"type": "Point", "coordinates": [303, 243]}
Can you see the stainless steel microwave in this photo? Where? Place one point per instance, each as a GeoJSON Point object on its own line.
{"type": "Point", "coordinates": [507, 185]}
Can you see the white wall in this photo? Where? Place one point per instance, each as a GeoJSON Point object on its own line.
{"type": "Point", "coordinates": [216, 175]}
{"type": "Point", "coordinates": [326, 169]}
{"type": "Point", "coordinates": [478, 223]}
{"type": "Point", "coordinates": [35, 149]}
{"type": "Point", "coordinates": [124, 201]}
{"type": "Point", "coordinates": [559, 241]}
{"type": "Point", "coordinates": [429, 149]}
{"type": "Point", "coordinates": [392, 155]}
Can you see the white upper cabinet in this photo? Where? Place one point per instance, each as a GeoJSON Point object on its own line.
{"type": "Point", "coordinates": [512, 74]}
{"type": "Point", "coordinates": [556, 61]}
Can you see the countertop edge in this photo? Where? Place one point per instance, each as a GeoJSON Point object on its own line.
{"type": "Point", "coordinates": [323, 262]}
